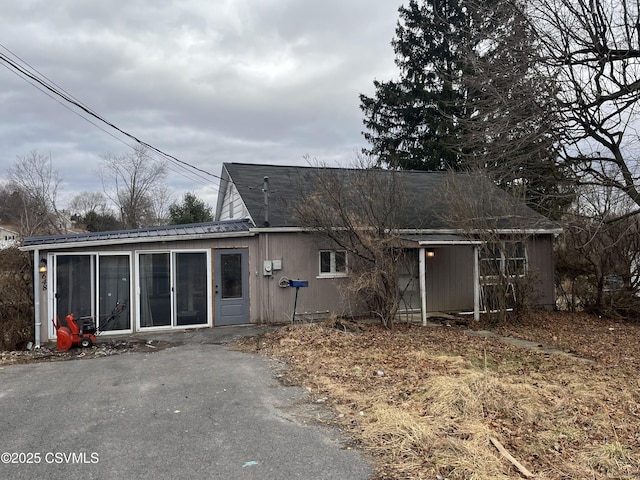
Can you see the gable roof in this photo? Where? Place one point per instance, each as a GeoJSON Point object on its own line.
{"type": "Point", "coordinates": [429, 192]}
{"type": "Point", "coordinates": [139, 235]}
{"type": "Point", "coordinates": [9, 229]}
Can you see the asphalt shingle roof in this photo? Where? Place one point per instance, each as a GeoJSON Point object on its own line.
{"type": "Point", "coordinates": [431, 195]}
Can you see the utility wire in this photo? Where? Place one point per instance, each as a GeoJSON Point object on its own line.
{"type": "Point", "coordinates": [35, 76]}
{"type": "Point", "coordinates": [184, 172]}
{"type": "Point", "coordinates": [90, 112]}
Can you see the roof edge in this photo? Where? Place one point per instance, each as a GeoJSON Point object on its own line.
{"type": "Point", "coordinates": [142, 235]}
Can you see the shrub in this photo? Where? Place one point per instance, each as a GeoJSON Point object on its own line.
{"type": "Point", "coordinates": [16, 299]}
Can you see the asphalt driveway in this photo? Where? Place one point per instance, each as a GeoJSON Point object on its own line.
{"type": "Point", "coordinates": [196, 410]}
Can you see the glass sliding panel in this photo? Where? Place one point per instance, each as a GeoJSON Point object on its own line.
{"type": "Point", "coordinates": [114, 279]}
{"type": "Point", "coordinates": [74, 282]}
{"type": "Point", "coordinates": [231, 275]}
{"type": "Point", "coordinates": [155, 290]}
{"type": "Point", "coordinates": [191, 288]}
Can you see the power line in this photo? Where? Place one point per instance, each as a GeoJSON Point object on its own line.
{"type": "Point", "coordinates": [31, 75]}
{"type": "Point", "coordinates": [185, 173]}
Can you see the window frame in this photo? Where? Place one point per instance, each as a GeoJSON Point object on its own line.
{"type": "Point", "coordinates": [95, 280]}
{"type": "Point", "coordinates": [333, 270]}
{"type": "Point", "coordinates": [173, 289]}
{"type": "Point", "coordinates": [501, 262]}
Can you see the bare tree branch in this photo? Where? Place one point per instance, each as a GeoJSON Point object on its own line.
{"type": "Point", "coordinates": [129, 181]}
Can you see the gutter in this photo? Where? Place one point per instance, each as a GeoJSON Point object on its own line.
{"type": "Point", "coordinates": [503, 231]}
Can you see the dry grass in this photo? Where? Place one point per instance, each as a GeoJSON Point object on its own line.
{"type": "Point", "coordinates": [423, 402]}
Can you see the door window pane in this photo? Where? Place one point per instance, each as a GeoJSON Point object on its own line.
{"type": "Point", "coordinates": [191, 288]}
{"type": "Point", "coordinates": [155, 290]}
{"type": "Point", "coordinates": [113, 297]}
{"type": "Point", "coordinates": [73, 286]}
{"type": "Point", "coordinates": [231, 275]}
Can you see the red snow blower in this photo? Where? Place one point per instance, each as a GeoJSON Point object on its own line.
{"type": "Point", "coordinates": [82, 331]}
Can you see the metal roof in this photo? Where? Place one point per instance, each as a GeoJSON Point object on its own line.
{"type": "Point", "coordinates": [207, 229]}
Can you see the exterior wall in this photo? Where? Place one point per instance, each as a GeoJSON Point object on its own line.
{"type": "Point", "coordinates": [449, 276]}
{"type": "Point", "coordinates": [450, 279]}
{"type": "Point", "coordinates": [8, 238]}
{"type": "Point", "coordinates": [7, 235]}
{"type": "Point", "coordinates": [232, 205]}
{"type": "Point", "coordinates": [46, 295]}
{"type": "Point", "coordinates": [299, 256]}
{"type": "Point", "coordinates": [541, 269]}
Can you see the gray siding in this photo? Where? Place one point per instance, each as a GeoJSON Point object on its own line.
{"type": "Point", "coordinates": [450, 279]}
{"type": "Point", "coordinates": [541, 269]}
{"type": "Point", "coordinates": [299, 255]}
{"type": "Point", "coordinates": [449, 276]}
{"type": "Point", "coordinates": [132, 249]}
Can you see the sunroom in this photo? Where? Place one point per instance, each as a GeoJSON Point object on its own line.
{"type": "Point", "coordinates": [142, 280]}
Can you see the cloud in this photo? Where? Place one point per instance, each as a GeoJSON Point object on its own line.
{"type": "Point", "coordinates": [208, 82]}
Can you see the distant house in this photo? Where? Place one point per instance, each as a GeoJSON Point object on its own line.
{"type": "Point", "coordinates": [9, 237]}
{"type": "Point", "coordinates": [237, 268]}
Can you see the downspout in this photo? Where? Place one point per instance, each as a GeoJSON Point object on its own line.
{"type": "Point", "coordinates": [476, 284]}
{"type": "Point", "coordinates": [422, 262]}
{"type": "Point", "coordinates": [266, 283]}
{"type": "Point", "coordinates": [36, 297]}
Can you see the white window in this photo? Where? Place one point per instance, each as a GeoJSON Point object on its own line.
{"type": "Point", "coordinates": [501, 264]}
{"type": "Point", "coordinates": [333, 263]}
{"type": "Point", "coordinates": [508, 260]}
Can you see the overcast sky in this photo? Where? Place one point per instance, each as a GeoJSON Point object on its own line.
{"type": "Point", "coordinates": [208, 81]}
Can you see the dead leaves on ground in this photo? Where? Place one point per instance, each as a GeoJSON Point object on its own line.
{"type": "Point", "coordinates": [613, 343]}
{"type": "Point", "coordinates": [424, 401]}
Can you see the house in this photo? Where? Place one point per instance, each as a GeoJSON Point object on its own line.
{"type": "Point", "coordinates": [9, 237]}
{"type": "Point", "coordinates": [237, 269]}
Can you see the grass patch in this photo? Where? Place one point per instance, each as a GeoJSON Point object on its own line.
{"type": "Point", "coordinates": [423, 402]}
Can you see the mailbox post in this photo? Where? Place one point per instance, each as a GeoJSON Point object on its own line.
{"type": "Point", "coordinates": [297, 284]}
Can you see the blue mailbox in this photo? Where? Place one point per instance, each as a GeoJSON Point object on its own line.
{"type": "Point", "coordinates": [297, 284]}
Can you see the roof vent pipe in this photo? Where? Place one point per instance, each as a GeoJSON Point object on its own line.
{"type": "Point", "coordinates": [265, 190]}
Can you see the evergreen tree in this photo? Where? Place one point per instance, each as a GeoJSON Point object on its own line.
{"type": "Point", "coordinates": [192, 210]}
{"type": "Point", "coordinates": [469, 97]}
{"type": "Point", "coordinates": [410, 121]}
{"type": "Point", "coordinates": [100, 222]}
{"type": "Point", "coordinates": [512, 127]}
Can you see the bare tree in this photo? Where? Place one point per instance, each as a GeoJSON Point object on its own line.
{"type": "Point", "coordinates": [592, 50]}
{"type": "Point", "coordinates": [503, 228]}
{"type": "Point", "coordinates": [93, 211]}
{"type": "Point", "coordinates": [161, 199]}
{"type": "Point", "coordinates": [598, 256]}
{"type": "Point", "coordinates": [358, 211]}
{"type": "Point", "coordinates": [129, 181]}
{"type": "Point", "coordinates": [85, 202]}
{"type": "Point", "coordinates": [33, 189]}
{"type": "Point", "coordinates": [509, 124]}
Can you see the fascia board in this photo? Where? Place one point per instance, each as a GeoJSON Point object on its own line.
{"type": "Point", "coordinates": [130, 241]}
